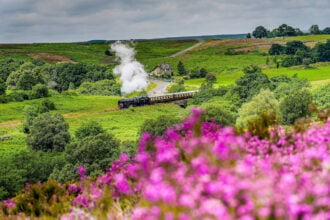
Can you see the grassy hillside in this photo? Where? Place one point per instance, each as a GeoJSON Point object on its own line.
{"type": "Point", "coordinates": [125, 124]}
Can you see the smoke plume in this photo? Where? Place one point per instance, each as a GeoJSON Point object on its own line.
{"type": "Point", "coordinates": [132, 75]}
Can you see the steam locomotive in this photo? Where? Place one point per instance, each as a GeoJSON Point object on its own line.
{"type": "Point", "coordinates": [150, 100]}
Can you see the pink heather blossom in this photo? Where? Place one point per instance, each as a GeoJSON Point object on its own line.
{"type": "Point", "coordinates": [9, 204]}
{"type": "Point", "coordinates": [203, 171]}
{"type": "Point", "coordinates": [81, 171]}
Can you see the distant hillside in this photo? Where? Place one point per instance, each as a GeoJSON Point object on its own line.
{"type": "Point", "coordinates": [203, 37]}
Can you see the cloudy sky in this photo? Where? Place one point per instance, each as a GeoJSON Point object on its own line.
{"type": "Point", "coordinates": [80, 20]}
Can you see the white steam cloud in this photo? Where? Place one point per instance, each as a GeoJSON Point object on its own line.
{"type": "Point", "coordinates": [131, 72]}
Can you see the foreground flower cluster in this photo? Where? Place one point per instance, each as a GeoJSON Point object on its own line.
{"type": "Point", "coordinates": [202, 171]}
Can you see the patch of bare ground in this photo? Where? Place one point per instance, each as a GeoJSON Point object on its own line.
{"type": "Point", "coordinates": [50, 58]}
{"type": "Point", "coordinates": [8, 124]}
{"type": "Point", "coordinates": [241, 45]}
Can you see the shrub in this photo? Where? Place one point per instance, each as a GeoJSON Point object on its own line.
{"type": "Point", "coordinates": [89, 129]}
{"type": "Point", "coordinates": [181, 69]}
{"type": "Point", "coordinates": [321, 97]}
{"type": "Point", "coordinates": [3, 87]}
{"type": "Point", "coordinates": [251, 82]}
{"type": "Point", "coordinates": [96, 153]}
{"type": "Point", "coordinates": [48, 132]}
{"type": "Point", "coordinates": [220, 115]}
{"type": "Point", "coordinates": [39, 91]}
{"type": "Point", "coordinates": [48, 104]}
{"type": "Point", "coordinates": [262, 105]}
{"type": "Point", "coordinates": [158, 126]}
{"type": "Point", "coordinates": [176, 88]}
{"type": "Point", "coordinates": [210, 78]}
{"type": "Point", "coordinates": [276, 49]}
{"type": "Point", "coordinates": [104, 87]}
{"type": "Point", "coordinates": [295, 106]}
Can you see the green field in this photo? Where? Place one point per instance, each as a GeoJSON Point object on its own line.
{"type": "Point", "coordinates": [124, 124]}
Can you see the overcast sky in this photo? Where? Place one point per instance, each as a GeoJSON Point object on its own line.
{"type": "Point", "coordinates": [80, 20]}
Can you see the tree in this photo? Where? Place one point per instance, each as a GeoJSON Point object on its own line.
{"type": "Point", "coordinates": [322, 52]}
{"type": "Point", "coordinates": [326, 30]}
{"type": "Point", "coordinates": [203, 72]}
{"type": "Point", "coordinates": [96, 153]}
{"type": "Point", "coordinates": [40, 91]}
{"type": "Point", "coordinates": [49, 132]}
{"type": "Point", "coordinates": [251, 82]}
{"type": "Point", "coordinates": [104, 87]}
{"type": "Point", "coordinates": [89, 129]}
{"type": "Point", "coordinates": [181, 69]}
{"type": "Point", "coordinates": [26, 77]}
{"type": "Point", "coordinates": [314, 29]}
{"type": "Point", "coordinates": [276, 49]}
{"type": "Point", "coordinates": [321, 97]}
{"type": "Point", "coordinates": [295, 106]}
{"type": "Point", "coordinates": [3, 87]}
{"type": "Point", "coordinates": [210, 78]}
{"type": "Point", "coordinates": [260, 32]}
{"type": "Point", "coordinates": [249, 36]}
{"type": "Point", "coordinates": [293, 46]}
{"type": "Point", "coordinates": [263, 104]}
{"type": "Point", "coordinates": [220, 115]}
{"type": "Point", "coordinates": [158, 126]}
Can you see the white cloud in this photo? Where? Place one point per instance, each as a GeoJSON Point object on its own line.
{"type": "Point", "coordinates": [77, 20]}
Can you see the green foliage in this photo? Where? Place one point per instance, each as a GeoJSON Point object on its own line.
{"type": "Point", "coordinates": [321, 97]}
{"type": "Point", "coordinates": [48, 132]}
{"type": "Point", "coordinates": [96, 153]}
{"type": "Point", "coordinates": [11, 179]}
{"type": "Point", "coordinates": [104, 87]}
{"type": "Point", "coordinates": [89, 129]}
{"type": "Point", "coordinates": [39, 91]}
{"type": "Point", "coordinates": [206, 92]}
{"type": "Point", "coordinates": [251, 82]}
{"type": "Point", "coordinates": [220, 115]}
{"type": "Point", "coordinates": [295, 105]}
{"type": "Point", "coordinates": [314, 29]}
{"type": "Point", "coordinates": [322, 52]}
{"type": "Point", "coordinates": [289, 85]}
{"type": "Point", "coordinates": [293, 46]}
{"type": "Point", "coordinates": [198, 73]}
{"type": "Point", "coordinates": [176, 87]}
{"type": "Point", "coordinates": [181, 69]}
{"type": "Point", "coordinates": [286, 30]}
{"type": "Point", "coordinates": [7, 66]}
{"type": "Point", "coordinates": [326, 30]}
{"type": "Point", "coordinates": [3, 87]}
{"type": "Point", "coordinates": [211, 78]}
{"type": "Point", "coordinates": [260, 32]}
{"type": "Point", "coordinates": [48, 104]}
{"type": "Point", "coordinates": [26, 77]}
{"type": "Point", "coordinates": [276, 49]}
{"type": "Point", "coordinates": [158, 126]}
{"type": "Point", "coordinates": [263, 104]}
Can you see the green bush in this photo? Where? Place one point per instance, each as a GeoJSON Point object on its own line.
{"type": "Point", "coordinates": [39, 91]}
{"type": "Point", "coordinates": [321, 97]}
{"type": "Point", "coordinates": [158, 126]}
{"type": "Point", "coordinates": [104, 88]}
{"type": "Point", "coordinates": [220, 115]}
{"type": "Point", "coordinates": [89, 129]}
{"type": "Point", "coordinates": [48, 132]}
{"type": "Point", "coordinates": [95, 153]}
{"type": "Point", "coordinates": [3, 87]}
{"type": "Point", "coordinates": [48, 104]}
{"type": "Point", "coordinates": [263, 104]}
{"type": "Point", "coordinates": [295, 105]}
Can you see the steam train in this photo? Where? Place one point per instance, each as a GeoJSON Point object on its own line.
{"type": "Point", "coordinates": [150, 100]}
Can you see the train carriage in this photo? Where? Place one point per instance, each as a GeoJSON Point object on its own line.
{"type": "Point", "coordinates": [146, 100]}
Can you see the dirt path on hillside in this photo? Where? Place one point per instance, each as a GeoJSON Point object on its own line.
{"type": "Point", "coordinates": [188, 49]}
{"type": "Point", "coordinates": [161, 88]}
